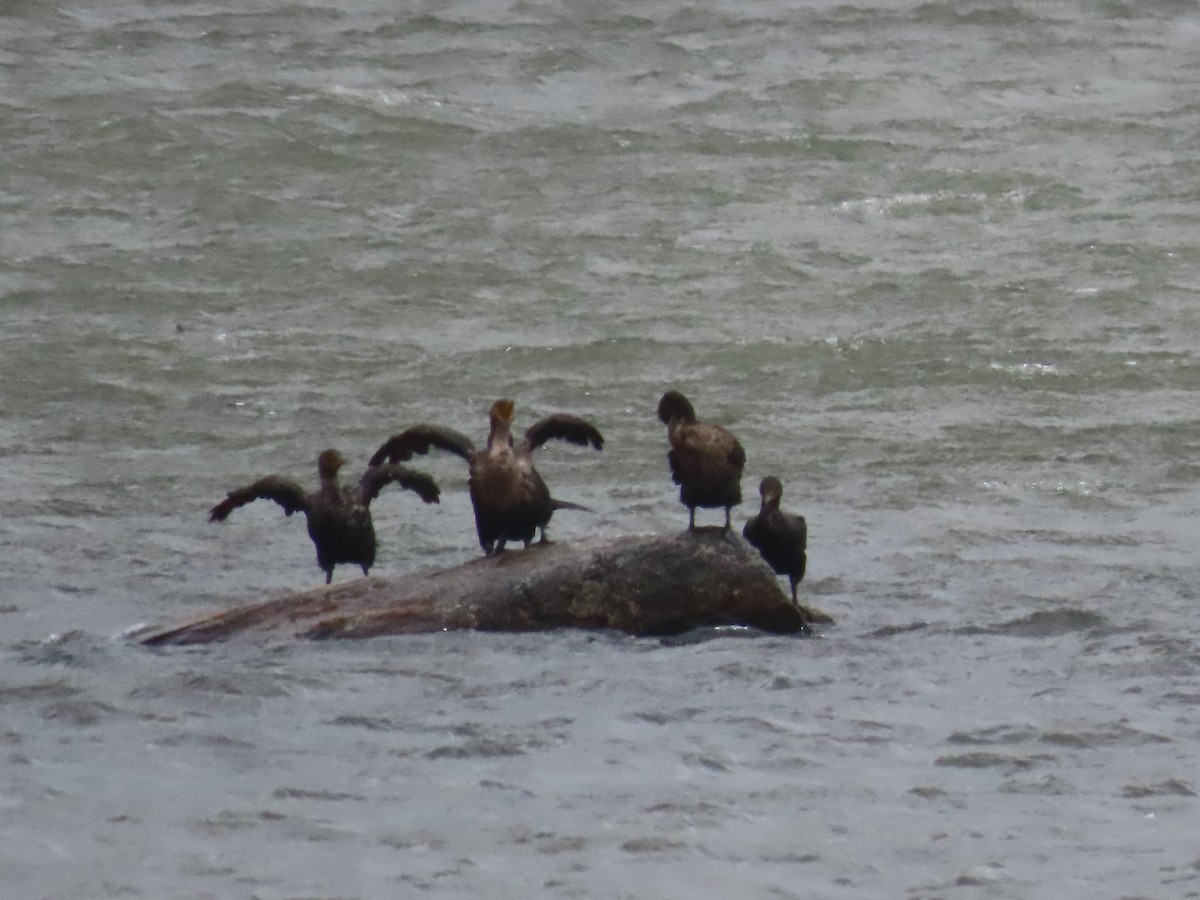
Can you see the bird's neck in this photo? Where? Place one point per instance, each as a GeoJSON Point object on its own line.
{"type": "Point", "coordinates": [500, 436]}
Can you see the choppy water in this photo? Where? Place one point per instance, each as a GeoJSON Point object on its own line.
{"type": "Point", "coordinates": [935, 263]}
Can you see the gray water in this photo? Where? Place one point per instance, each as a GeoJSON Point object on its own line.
{"type": "Point", "coordinates": [935, 264]}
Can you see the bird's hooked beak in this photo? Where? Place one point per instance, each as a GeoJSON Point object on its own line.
{"type": "Point", "coordinates": [502, 412]}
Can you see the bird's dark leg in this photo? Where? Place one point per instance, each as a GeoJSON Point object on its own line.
{"type": "Point", "coordinates": [691, 518]}
{"type": "Point", "coordinates": [329, 575]}
{"type": "Point", "coordinates": [544, 539]}
{"type": "Point", "coordinates": [726, 531]}
{"type": "Point", "coordinates": [794, 600]}
{"type": "Point", "coordinates": [365, 567]}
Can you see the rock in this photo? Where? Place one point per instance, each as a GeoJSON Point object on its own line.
{"type": "Point", "coordinates": [644, 585]}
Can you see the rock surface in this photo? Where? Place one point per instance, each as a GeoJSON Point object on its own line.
{"type": "Point", "coordinates": [643, 584]}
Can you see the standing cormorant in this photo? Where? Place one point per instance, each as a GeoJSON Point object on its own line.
{"type": "Point", "coordinates": [510, 498]}
{"type": "Point", "coordinates": [706, 460]}
{"type": "Point", "coordinates": [339, 518]}
{"type": "Point", "coordinates": [780, 537]}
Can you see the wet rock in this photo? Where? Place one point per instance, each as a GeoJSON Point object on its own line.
{"type": "Point", "coordinates": [644, 585]}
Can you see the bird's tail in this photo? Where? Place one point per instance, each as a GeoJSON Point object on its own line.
{"type": "Point", "coordinates": [567, 504]}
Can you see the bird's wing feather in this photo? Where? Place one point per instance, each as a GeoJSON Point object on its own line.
{"type": "Point", "coordinates": [283, 491]}
{"type": "Point", "coordinates": [737, 455]}
{"type": "Point", "coordinates": [563, 426]}
{"type": "Point", "coordinates": [377, 477]}
{"type": "Point", "coordinates": [419, 439]}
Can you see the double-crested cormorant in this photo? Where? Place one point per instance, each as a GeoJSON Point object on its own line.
{"type": "Point", "coordinates": [339, 518]}
{"type": "Point", "coordinates": [511, 501]}
{"type": "Point", "coordinates": [780, 537]}
{"type": "Point", "coordinates": [706, 460]}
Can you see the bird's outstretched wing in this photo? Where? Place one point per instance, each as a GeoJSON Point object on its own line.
{"type": "Point", "coordinates": [563, 426]}
{"type": "Point", "coordinates": [418, 439]}
{"type": "Point", "coordinates": [377, 477]}
{"type": "Point", "coordinates": [283, 491]}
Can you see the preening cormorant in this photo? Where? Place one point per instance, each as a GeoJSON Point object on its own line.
{"type": "Point", "coordinates": [339, 517]}
{"type": "Point", "coordinates": [706, 460]}
{"type": "Point", "coordinates": [780, 537]}
{"type": "Point", "coordinates": [510, 498]}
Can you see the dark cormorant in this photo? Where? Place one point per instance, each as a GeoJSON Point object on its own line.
{"type": "Point", "coordinates": [339, 518]}
{"type": "Point", "coordinates": [706, 460]}
{"type": "Point", "coordinates": [510, 498]}
{"type": "Point", "coordinates": [780, 537]}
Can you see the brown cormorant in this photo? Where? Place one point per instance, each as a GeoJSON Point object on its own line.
{"type": "Point", "coordinates": [706, 460]}
{"type": "Point", "coordinates": [510, 498]}
{"type": "Point", "coordinates": [780, 537]}
{"type": "Point", "coordinates": [339, 518]}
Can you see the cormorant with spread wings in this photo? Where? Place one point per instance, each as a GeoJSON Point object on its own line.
{"type": "Point", "coordinates": [510, 498]}
{"type": "Point", "coordinates": [339, 517]}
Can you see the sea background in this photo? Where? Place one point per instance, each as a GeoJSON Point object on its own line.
{"type": "Point", "coordinates": [935, 263]}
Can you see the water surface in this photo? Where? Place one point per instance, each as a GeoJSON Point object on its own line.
{"type": "Point", "coordinates": [935, 264]}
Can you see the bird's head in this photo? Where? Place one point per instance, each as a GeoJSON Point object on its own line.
{"type": "Point", "coordinates": [502, 412]}
{"type": "Point", "coordinates": [674, 407]}
{"type": "Point", "coordinates": [501, 416]}
{"type": "Point", "coordinates": [771, 491]}
{"type": "Point", "coordinates": [328, 464]}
